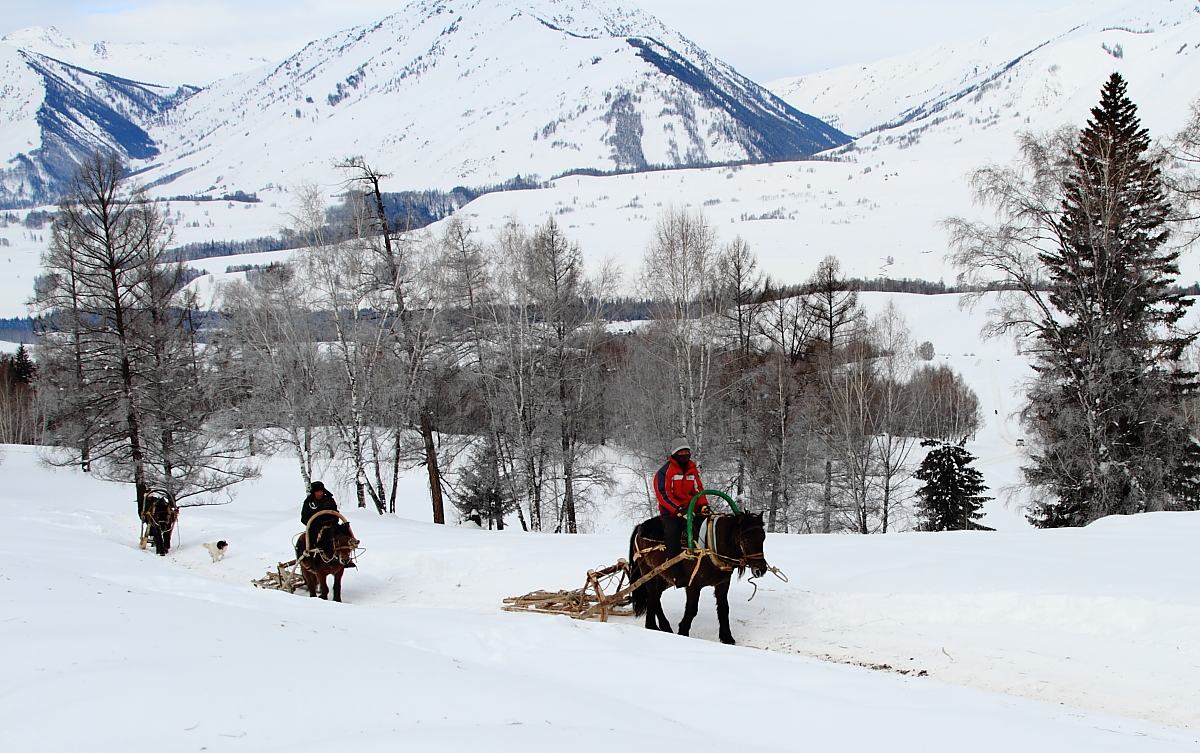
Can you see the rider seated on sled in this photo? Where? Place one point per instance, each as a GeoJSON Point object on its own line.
{"type": "Point", "coordinates": [674, 485]}
{"type": "Point", "coordinates": [319, 499]}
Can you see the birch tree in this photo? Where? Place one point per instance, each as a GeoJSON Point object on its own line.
{"type": "Point", "coordinates": [679, 272]}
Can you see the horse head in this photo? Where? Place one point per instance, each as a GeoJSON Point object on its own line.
{"type": "Point", "coordinates": [336, 541]}
{"type": "Point", "coordinates": [330, 553]}
{"type": "Point", "coordinates": [344, 544]}
{"type": "Point", "coordinates": [749, 537]}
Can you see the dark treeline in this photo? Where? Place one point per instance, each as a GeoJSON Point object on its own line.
{"type": "Point", "coordinates": [17, 329]}
{"type": "Point", "coordinates": [410, 210]}
{"type": "Point", "coordinates": [212, 249]}
{"type": "Point", "coordinates": [240, 196]}
{"type": "Point", "coordinates": [19, 417]}
{"type": "Point", "coordinates": [417, 209]}
{"type": "Point", "coordinates": [594, 172]}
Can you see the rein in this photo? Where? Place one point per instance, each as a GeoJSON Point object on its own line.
{"type": "Point", "coordinates": [770, 569]}
{"type": "Point", "coordinates": [745, 561]}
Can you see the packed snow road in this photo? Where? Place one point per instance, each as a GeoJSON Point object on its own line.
{"type": "Point", "coordinates": [107, 647]}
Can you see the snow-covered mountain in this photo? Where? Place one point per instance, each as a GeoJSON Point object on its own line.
{"type": "Point", "coordinates": [880, 209]}
{"type": "Point", "coordinates": [1038, 70]}
{"type": "Point", "coordinates": [55, 113]}
{"type": "Point", "coordinates": [450, 92]}
{"type": "Point", "coordinates": [160, 62]}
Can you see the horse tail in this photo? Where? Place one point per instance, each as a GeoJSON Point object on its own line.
{"type": "Point", "coordinates": [640, 599]}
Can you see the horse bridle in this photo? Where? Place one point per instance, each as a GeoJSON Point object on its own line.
{"type": "Point", "coordinates": [747, 559]}
{"type": "Point", "coordinates": [350, 547]}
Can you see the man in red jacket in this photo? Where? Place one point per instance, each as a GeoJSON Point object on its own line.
{"type": "Point", "coordinates": [674, 485]}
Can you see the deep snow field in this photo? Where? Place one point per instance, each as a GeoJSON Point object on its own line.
{"type": "Point", "coordinates": [1077, 640]}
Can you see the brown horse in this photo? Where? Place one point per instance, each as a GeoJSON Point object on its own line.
{"type": "Point", "coordinates": [159, 515]}
{"type": "Point", "coordinates": [326, 548]}
{"type": "Point", "coordinates": [735, 542]}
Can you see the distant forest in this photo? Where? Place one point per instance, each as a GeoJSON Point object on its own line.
{"type": "Point", "coordinates": [411, 210]}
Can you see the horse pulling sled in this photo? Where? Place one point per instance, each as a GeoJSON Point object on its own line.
{"type": "Point", "coordinates": [614, 590]}
{"type": "Point", "coordinates": [316, 558]}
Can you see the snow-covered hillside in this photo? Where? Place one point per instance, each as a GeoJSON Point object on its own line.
{"type": "Point", "coordinates": [1034, 73]}
{"type": "Point", "coordinates": [54, 114]}
{"type": "Point", "coordinates": [151, 62]}
{"type": "Point", "coordinates": [1080, 640]}
{"type": "Point", "coordinates": [476, 92]}
{"type": "Point", "coordinates": [880, 211]}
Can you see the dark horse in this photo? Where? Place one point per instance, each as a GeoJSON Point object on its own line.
{"type": "Point", "coordinates": [158, 514]}
{"type": "Point", "coordinates": [326, 548]}
{"type": "Point", "coordinates": [736, 543]}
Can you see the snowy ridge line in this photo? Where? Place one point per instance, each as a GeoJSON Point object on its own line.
{"type": "Point", "coordinates": [939, 104]}
{"type": "Point", "coordinates": [689, 109]}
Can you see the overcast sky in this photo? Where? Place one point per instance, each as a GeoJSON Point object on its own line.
{"type": "Point", "coordinates": [764, 39]}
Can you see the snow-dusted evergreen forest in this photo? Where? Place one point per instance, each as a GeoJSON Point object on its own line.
{"type": "Point", "coordinates": [937, 337]}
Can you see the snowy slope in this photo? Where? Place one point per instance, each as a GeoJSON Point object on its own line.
{"type": "Point", "coordinates": [158, 62]}
{"type": "Point", "coordinates": [475, 92]}
{"type": "Point", "coordinates": [881, 209]}
{"type": "Point", "coordinates": [55, 114]}
{"type": "Point", "coordinates": [143, 653]}
{"type": "Point", "coordinates": [1043, 63]}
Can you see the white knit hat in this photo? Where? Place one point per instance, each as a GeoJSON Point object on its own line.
{"type": "Point", "coordinates": [680, 443]}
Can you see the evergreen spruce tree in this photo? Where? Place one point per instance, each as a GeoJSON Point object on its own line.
{"type": "Point", "coordinates": [951, 498]}
{"type": "Point", "coordinates": [23, 369]}
{"type": "Point", "coordinates": [1105, 407]}
{"type": "Point", "coordinates": [482, 495]}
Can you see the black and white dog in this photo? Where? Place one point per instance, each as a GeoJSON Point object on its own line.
{"type": "Point", "coordinates": [217, 550]}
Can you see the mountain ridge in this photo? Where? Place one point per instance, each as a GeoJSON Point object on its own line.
{"type": "Point", "coordinates": [62, 113]}
{"type": "Point", "coordinates": [458, 92]}
{"type": "Point", "coordinates": [566, 85]}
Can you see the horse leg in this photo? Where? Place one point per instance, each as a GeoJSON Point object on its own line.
{"type": "Point", "coordinates": [652, 605]}
{"type": "Point", "coordinates": [310, 582]}
{"type": "Point", "coordinates": [159, 547]}
{"type": "Point", "coordinates": [722, 593]}
{"type": "Point", "coordinates": [337, 585]}
{"type": "Point", "coordinates": [663, 623]}
{"type": "Point", "coordinates": [655, 618]}
{"type": "Point", "coordinates": [325, 587]}
{"type": "Point", "coordinates": [689, 611]}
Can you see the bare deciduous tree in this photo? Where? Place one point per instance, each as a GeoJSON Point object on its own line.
{"type": "Point", "coordinates": [125, 382]}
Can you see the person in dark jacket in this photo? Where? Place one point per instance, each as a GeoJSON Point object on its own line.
{"type": "Point", "coordinates": [319, 498]}
{"type": "Point", "coordinates": [674, 485]}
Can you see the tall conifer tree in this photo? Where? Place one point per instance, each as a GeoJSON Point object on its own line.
{"type": "Point", "coordinates": [951, 499]}
{"type": "Point", "coordinates": [1105, 404]}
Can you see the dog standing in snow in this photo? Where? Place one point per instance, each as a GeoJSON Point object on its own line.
{"type": "Point", "coordinates": [217, 550]}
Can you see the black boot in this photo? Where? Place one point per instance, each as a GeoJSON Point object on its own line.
{"type": "Point", "coordinates": [673, 541]}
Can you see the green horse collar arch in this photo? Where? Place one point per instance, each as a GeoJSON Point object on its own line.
{"type": "Point", "coordinates": [691, 514]}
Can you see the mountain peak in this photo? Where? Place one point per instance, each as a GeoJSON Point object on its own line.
{"type": "Point", "coordinates": [473, 92]}
{"type": "Point", "coordinates": [42, 39]}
